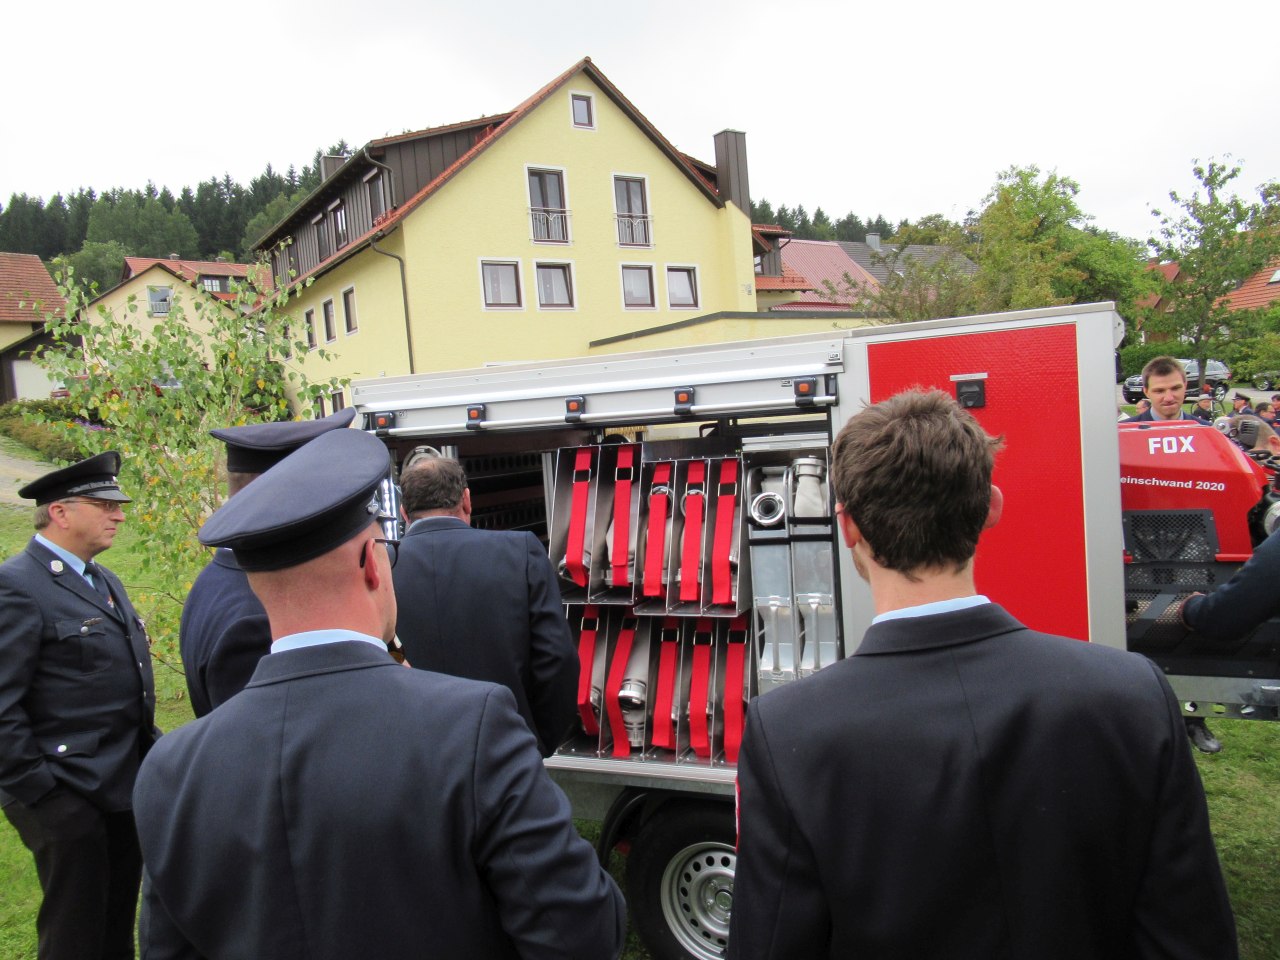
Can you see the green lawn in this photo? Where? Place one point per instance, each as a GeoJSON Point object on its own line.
{"type": "Point", "coordinates": [1242, 782]}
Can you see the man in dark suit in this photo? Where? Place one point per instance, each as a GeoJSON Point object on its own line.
{"type": "Point", "coordinates": [77, 713]}
{"type": "Point", "coordinates": [341, 805]}
{"type": "Point", "coordinates": [224, 631]}
{"type": "Point", "coordinates": [964, 787]}
{"type": "Point", "coordinates": [483, 603]}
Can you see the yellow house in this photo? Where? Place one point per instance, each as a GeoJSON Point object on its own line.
{"type": "Point", "coordinates": [521, 236]}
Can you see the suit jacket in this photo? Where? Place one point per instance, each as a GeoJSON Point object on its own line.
{"type": "Point", "coordinates": [223, 634]}
{"type": "Point", "coordinates": [1146, 417]}
{"type": "Point", "coordinates": [77, 697]}
{"type": "Point", "coordinates": [484, 604]}
{"type": "Point", "coordinates": [965, 787]}
{"type": "Point", "coordinates": [1251, 596]}
{"type": "Point", "coordinates": [342, 806]}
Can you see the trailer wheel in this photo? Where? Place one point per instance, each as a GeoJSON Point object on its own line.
{"type": "Point", "coordinates": [680, 880]}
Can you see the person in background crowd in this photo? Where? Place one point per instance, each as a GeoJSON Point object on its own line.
{"type": "Point", "coordinates": [77, 713]}
{"type": "Point", "coordinates": [1203, 410]}
{"type": "Point", "coordinates": [1142, 406]}
{"type": "Point", "coordinates": [1240, 404]}
{"type": "Point", "coordinates": [1266, 411]}
{"type": "Point", "coordinates": [1032, 818]}
{"type": "Point", "coordinates": [224, 631]}
{"type": "Point", "coordinates": [341, 806]}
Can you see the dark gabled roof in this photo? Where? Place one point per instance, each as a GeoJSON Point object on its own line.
{"type": "Point", "coordinates": [880, 263]}
{"type": "Point", "coordinates": [24, 283]}
{"type": "Point", "coordinates": [500, 129]}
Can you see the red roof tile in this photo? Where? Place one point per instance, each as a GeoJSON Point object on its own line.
{"type": "Point", "coordinates": [189, 270]}
{"type": "Point", "coordinates": [24, 282]}
{"type": "Point", "coordinates": [1260, 290]}
{"type": "Point", "coordinates": [790, 280]}
{"type": "Point", "coordinates": [823, 261]}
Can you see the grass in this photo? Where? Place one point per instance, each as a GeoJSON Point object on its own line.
{"type": "Point", "coordinates": [1242, 784]}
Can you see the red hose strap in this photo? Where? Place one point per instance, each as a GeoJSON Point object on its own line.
{"type": "Point", "coordinates": [734, 667]}
{"type": "Point", "coordinates": [621, 546]}
{"type": "Point", "coordinates": [578, 516]}
{"type": "Point", "coordinates": [703, 639]}
{"type": "Point", "coordinates": [617, 673]}
{"type": "Point", "coordinates": [668, 655]}
{"type": "Point", "coordinates": [726, 501]}
{"type": "Point", "coordinates": [655, 547]}
{"type": "Point", "coordinates": [586, 663]}
{"type": "Point", "coordinates": [694, 509]}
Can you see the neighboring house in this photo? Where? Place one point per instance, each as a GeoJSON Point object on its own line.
{"type": "Point", "coordinates": [883, 259]}
{"type": "Point", "coordinates": [567, 225]}
{"type": "Point", "coordinates": [835, 280]}
{"type": "Point", "coordinates": [150, 288]}
{"type": "Point", "coordinates": [27, 294]}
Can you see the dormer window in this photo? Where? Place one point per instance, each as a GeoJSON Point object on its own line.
{"type": "Point", "coordinates": [338, 218]}
{"type": "Point", "coordinates": [321, 223]}
{"type": "Point", "coordinates": [1275, 277]}
{"type": "Point", "coordinates": [216, 284]}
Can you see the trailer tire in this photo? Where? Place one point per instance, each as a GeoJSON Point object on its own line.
{"type": "Point", "coordinates": [680, 880]}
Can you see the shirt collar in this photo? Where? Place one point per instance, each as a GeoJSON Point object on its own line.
{"type": "Point", "coordinates": [314, 638]}
{"type": "Point", "coordinates": [927, 609]}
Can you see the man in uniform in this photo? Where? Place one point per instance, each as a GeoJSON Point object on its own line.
{"type": "Point", "coordinates": [224, 629]}
{"type": "Point", "coordinates": [77, 713]}
{"type": "Point", "coordinates": [483, 603]}
{"type": "Point", "coordinates": [961, 785]}
{"type": "Point", "coordinates": [340, 805]}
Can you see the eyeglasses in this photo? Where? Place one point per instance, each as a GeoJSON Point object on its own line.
{"type": "Point", "coordinates": [105, 505]}
{"type": "Point", "coordinates": [393, 550]}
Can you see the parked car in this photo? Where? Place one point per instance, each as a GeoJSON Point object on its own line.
{"type": "Point", "coordinates": [1217, 379]}
{"type": "Point", "coordinates": [1267, 379]}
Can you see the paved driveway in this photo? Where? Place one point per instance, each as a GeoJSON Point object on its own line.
{"type": "Point", "coordinates": [16, 471]}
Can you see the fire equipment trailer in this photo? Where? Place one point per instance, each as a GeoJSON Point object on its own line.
{"type": "Point", "coordinates": [684, 498]}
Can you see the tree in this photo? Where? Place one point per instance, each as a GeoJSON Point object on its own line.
{"type": "Point", "coordinates": [229, 363]}
{"type": "Point", "coordinates": [1218, 240]}
{"type": "Point", "coordinates": [97, 265]}
{"type": "Point", "coordinates": [266, 218]}
{"type": "Point", "coordinates": [141, 225]}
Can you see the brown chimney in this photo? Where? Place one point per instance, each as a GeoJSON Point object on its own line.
{"type": "Point", "coordinates": [731, 168]}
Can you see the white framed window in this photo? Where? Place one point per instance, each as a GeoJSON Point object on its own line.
{"type": "Point", "coordinates": [582, 110]}
{"type": "Point", "coordinates": [330, 325]}
{"type": "Point", "coordinates": [682, 287]}
{"type": "Point", "coordinates": [349, 318]}
{"type": "Point", "coordinates": [159, 300]}
{"type": "Point", "coordinates": [555, 286]}
{"type": "Point", "coordinates": [216, 284]}
{"type": "Point", "coordinates": [339, 400]}
{"type": "Point", "coordinates": [500, 284]}
{"type": "Point", "coordinates": [637, 286]}
{"type": "Point", "coordinates": [309, 324]}
{"type": "Point", "coordinates": [631, 206]}
{"type": "Point", "coordinates": [319, 408]}
{"type": "Point", "coordinates": [548, 207]}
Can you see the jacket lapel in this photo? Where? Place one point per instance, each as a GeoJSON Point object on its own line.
{"type": "Point", "coordinates": [68, 579]}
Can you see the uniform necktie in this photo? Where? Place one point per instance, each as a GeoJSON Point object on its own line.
{"type": "Point", "coordinates": [99, 581]}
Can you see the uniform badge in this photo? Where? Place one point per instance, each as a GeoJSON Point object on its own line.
{"type": "Point", "coordinates": [55, 566]}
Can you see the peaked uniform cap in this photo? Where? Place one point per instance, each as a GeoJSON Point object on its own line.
{"type": "Point", "coordinates": [94, 477]}
{"type": "Point", "coordinates": [258, 447]}
{"type": "Point", "coordinates": [311, 502]}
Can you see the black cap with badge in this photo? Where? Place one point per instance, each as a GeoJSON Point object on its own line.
{"type": "Point", "coordinates": [311, 502]}
{"type": "Point", "coordinates": [258, 447]}
{"type": "Point", "coordinates": [95, 477]}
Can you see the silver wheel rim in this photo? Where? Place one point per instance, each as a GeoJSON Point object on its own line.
{"type": "Point", "coordinates": [697, 897]}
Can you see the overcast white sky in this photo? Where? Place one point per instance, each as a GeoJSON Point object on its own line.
{"type": "Point", "coordinates": [901, 109]}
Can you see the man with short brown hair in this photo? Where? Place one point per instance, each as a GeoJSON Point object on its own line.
{"type": "Point", "coordinates": [963, 786]}
{"type": "Point", "coordinates": [1164, 381]}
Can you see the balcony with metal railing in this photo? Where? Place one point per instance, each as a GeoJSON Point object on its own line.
{"type": "Point", "coordinates": [634, 229]}
{"type": "Point", "coordinates": [549, 224]}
